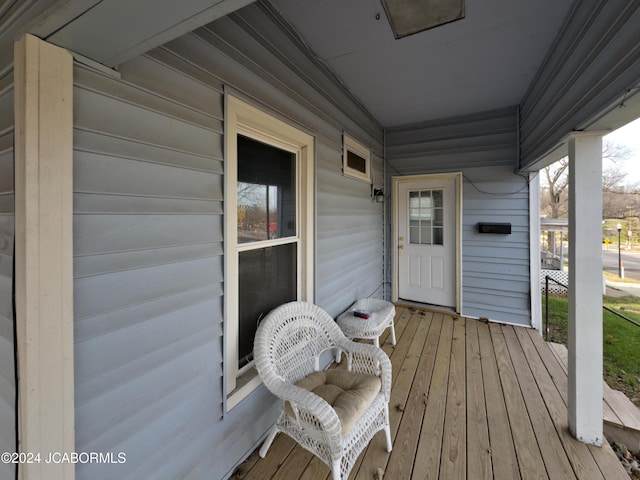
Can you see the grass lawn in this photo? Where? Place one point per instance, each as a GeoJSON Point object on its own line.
{"type": "Point", "coordinates": [621, 341]}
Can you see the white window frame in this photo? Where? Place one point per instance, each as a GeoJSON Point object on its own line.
{"type": "Point", "coordinates": [245, 119]}
{"type": "Point", "coordinates": [351, 145]}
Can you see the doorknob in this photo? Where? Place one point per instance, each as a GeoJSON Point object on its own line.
{"type": "Point", "coordinates": [400, 247]}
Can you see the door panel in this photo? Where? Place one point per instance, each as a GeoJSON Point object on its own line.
{"type": "Point", "coordinates": [437, 273]}
{"type": "Point", "coordinates": [427, 241]}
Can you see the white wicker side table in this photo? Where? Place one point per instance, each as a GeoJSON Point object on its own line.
{"type": "Point", "coordinates": [381, 314]}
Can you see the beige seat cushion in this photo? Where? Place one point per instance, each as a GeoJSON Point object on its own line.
{"type": "Point", "coordinates": [349, 393]}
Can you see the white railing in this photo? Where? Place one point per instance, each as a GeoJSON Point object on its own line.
{"type": "Point", "coordinates": [558, 276]}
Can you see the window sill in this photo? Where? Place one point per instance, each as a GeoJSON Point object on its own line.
{"type": "Point", "coordinates": [245, 384]}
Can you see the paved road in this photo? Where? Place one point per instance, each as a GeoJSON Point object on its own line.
{"type": "Point", "coordinates": [631, 262]}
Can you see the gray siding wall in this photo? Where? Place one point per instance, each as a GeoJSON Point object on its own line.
{"type": "Point", "coordinates": [495, 268]}
{"type": "Point", "coordinates": [250, 54]}
{"type": "Point", "coordinates": [7, 372]}
{"type": "Point", "coordinates": [148, 273]}
{"type": "Point", "coordinates": [13, 17]}
{"type": "Point", "coordinates": [148, 182]}
{"type": "Point", "coordinates": [595, 60]}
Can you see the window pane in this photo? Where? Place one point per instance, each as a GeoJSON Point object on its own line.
{"type": "Point", "coordinates": [438, 217]}
{"type": "Point", "coordinates": [425, 234]}
{"type": "Point", "coordinates": [266, 191]}
{"type": "Point", "coordinates": [252, 213]}
{"type": "Point", "coordinates": [414, 234]}
{"type": "Point", "coordinates": [267, 279]}
{"type": "Point", "coordinates": [414, 200]}
{"type": "Point", "coordinates": [356, 162]}
{"type": "Point", "coordinates": [438, 236]}
{"type": "Point", "coordinates": [426, 217]}
{"type": "Point", "coordinates": [437, 198]}
{"type": "Point", "coordinates": [425, 199]}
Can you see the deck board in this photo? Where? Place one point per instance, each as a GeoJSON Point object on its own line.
{"type": "Point", "coordinates": [427, 458]}
{"type": "Point", "coordinates": [529, 458]}
{"type": "Point", "coordinates": [409, 347]}
{"type": "Point", "coordinates": [556, 462]}
{"type": "Point", "coordinates": [478, 445]}
{"type": "Point", "coordinates": [608, 413]}
{"type": "Point", "coordinates": [469, 400]}
{"type": "Point", "coordinates": [626, 411]}
{"type": "Point", "coordinates": [544, 367]}
{"type": "Point", "coordinates": [503, 453]}
{"type": "Point", "coordinates": [453, 461]}
{"type": "Point", "coordinates": [617, 409]}
{"type": "Point", "coordinates": [278, 453]}
{"type": "Point", "coordinates": [407, 408]}
{"type": "Point", "coordinates": [294, 465]}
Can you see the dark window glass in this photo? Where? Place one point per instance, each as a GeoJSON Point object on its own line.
{"type": "Point", "coordinates": [266, 197]}
{"type": "Point", "coordinates": [356, 162]}
{"type": "Point", "coordinates": [268, 278]}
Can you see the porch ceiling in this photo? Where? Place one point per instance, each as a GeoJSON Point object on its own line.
{"type": "Point", "coordinates": [114, 31]}
{"type": "Point", "coordinates": [485, 61]}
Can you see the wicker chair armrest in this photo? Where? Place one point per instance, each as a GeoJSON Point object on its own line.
{"type": "Point", "coordinates": [369, 359]}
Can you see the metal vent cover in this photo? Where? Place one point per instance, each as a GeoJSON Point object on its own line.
{"type": "Point", "coordinates": [412, 16]}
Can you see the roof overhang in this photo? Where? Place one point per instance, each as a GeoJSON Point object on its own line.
{"type": "Point", "coordinates": [624, 110]}
{"type": "Point", "coordinates": [111, 32]}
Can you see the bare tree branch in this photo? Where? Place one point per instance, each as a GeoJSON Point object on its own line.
{"type": "Point", "coordinates": [554, 198]}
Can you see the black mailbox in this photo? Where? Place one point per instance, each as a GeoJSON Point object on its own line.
{"type": "Point", "coordinates": [501, 228]}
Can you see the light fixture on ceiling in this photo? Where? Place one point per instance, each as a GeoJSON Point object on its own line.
{"type": "Point", "coordinates": [412, 16]}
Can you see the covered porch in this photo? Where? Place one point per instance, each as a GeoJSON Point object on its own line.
{"type": "Point", "coordinates": [133, 138]}
{"type": "Point", "coordinates": [469, 400]}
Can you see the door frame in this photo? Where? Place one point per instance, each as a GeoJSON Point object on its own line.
{"type": "Point", "coordinates": [395, 182]}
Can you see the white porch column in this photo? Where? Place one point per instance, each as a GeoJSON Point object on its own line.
{"type": "Point", "coordinates": [43, 78]}
{"type": "Point", "coordinates": [534, 251]}
{"type": "Point", "coordinates": [585, 287]}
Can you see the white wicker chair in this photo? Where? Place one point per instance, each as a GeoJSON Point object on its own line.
{"type": "Point", "coordinates": [287, 349]}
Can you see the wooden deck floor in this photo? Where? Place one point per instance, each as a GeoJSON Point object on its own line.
{"type": "Point", "coordinates": [617, 409]}
{"type": "Point", "coordinates": [469, 400]}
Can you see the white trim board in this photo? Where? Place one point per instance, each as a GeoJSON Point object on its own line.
{"type": "Point", "coordinates": [246, 119]}
{"type": "Point", "coordinates": [44, 254]}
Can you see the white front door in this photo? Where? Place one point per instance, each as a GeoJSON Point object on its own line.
{"type": "Point", "coordinates": [426, 229]}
